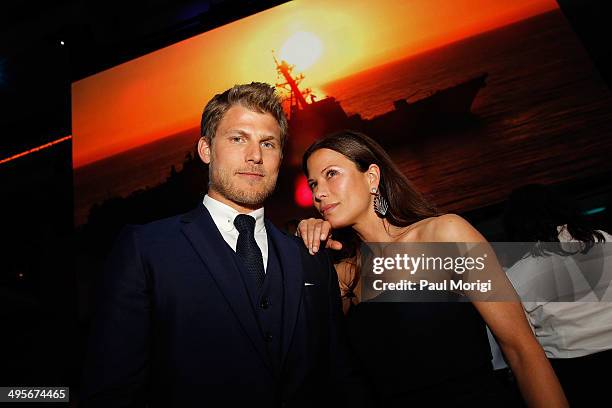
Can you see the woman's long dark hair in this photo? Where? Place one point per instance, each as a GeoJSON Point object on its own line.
{"type": "Point", "coordinates": [534, 212]}
{"type": "Point", "coordinates": [406, 204]}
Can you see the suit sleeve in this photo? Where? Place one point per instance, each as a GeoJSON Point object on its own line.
{"type": "Point", "coordinates": [116, 365]}
{"type": "Point", "coordinates": [351, 386]}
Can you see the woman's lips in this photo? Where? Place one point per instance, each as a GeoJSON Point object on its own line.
{"type": "Point", "coordinates": [327, 208]}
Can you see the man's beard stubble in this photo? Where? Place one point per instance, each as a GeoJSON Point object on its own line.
{"type": "Point", "coordinates": [221, 182]}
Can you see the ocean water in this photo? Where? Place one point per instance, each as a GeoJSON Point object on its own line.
{"type": "Point", "coordinates": [126, 172]}
{"type": "Point", "coordinates": [544, 116]}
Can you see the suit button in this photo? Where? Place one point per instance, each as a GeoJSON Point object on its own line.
{"type": "Point", "coordinates": [265, 303]}
{"type": "Point", "coordinates": [268, 337]}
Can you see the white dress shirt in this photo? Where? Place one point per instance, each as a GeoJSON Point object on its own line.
{"type": "Point", "coordinates": [223, 216]}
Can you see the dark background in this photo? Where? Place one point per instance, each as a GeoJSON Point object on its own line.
{"type": "Point", "coordinates": [42, 333]}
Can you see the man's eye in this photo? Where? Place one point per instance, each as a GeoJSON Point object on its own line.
{"type": "Point", "coordinates": [236, 138]}
{"type": "Point", "coordinates": [268, 145]}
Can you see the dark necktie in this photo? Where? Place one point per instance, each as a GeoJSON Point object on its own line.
{"type": "Point", "coordinates": [248, 250]}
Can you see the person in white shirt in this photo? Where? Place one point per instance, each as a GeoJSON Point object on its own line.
{"type": "Point", "coordinates": [573, 324]}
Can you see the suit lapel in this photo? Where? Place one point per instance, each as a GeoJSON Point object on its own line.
{"type": "Point", "coordinates": [206, 239]}
{"type": "Point", "coordinates": [293, 283]}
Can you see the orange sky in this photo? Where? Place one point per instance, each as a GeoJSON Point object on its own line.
{"type": "Point", "coordinates": [164, 92]}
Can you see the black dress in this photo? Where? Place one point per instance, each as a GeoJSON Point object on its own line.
{"type": "Point", "coordinates": [425, 354]}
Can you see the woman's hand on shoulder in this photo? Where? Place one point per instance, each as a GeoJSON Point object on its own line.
{"type": "Point", "coordinates": [453, 228]}
{"type": "Point", "coordinates": [313, 231]}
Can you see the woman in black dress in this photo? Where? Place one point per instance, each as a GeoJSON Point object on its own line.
{"type": "Point", "coordinates": [415, 354]}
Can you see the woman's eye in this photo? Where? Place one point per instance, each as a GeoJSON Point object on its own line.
{"type": "Point", "coordinates": [331, 173]}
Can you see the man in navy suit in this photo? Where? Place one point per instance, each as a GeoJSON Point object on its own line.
{"type": "Point", "coordinates": [217, 307]}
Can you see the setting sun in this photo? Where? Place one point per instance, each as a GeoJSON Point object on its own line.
{"type": "Point", "coordinates": [302, 49]}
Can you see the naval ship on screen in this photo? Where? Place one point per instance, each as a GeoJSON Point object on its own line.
{"type": "Point", "coordinates": [310, 119]}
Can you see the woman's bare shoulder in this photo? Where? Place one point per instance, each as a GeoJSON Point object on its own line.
{"type": "Point", "coordinates": [449, 228]}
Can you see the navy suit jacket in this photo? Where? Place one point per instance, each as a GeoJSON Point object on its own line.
{"type": "Point", "coordinates": [174, 325]}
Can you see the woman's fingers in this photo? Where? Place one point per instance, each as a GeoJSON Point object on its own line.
{"type": "Point", "coordinates": [323, 233]}
{"type": "Point", "coordinates": [313, 231]}
{"type": "Point", "coordinates": [309, 231]}
{"type": "Point", "coordinates": [332, 244]}
{"type": "Point", "coordinates": [325, 230]}
{"type": "Point", "coordinates": [302, 232]}
{"type": "Point", "coordinates": [316, 238]}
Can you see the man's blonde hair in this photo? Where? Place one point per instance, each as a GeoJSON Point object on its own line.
{"type": "Point", "coordinates": [257, 96]}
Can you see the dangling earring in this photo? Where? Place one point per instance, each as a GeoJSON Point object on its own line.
{"type": "Point", "coordinates": [380, 203]}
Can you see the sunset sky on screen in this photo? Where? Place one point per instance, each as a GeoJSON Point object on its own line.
{"type": "Point", "coordinates": [164, 92]}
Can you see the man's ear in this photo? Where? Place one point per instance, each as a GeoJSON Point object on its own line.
{"type": "Point", "coordinates": [204, 150]}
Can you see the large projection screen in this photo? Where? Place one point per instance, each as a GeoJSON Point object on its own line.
{"type": "Point", "coordinates": [472, 98]}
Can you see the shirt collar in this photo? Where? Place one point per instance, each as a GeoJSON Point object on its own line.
{"type": "Point", "coordinates": [223, 215]}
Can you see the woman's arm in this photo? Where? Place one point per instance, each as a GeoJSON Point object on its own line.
{"type": "Point", "coordinates": [536, 379]}
{"type": "Point", "coordinates": [348, 279]}
{"type": "Point", "coordinates": [313, 231]}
